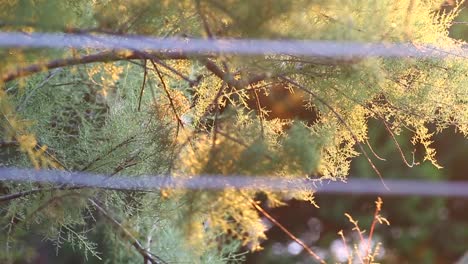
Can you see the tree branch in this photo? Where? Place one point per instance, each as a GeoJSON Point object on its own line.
{"type": "Point", "coordinates": [142, 85]}
{"type": "Point", "coordinates": [148, 256]}
{"type": "Point", "coordinates": [321, 100]}
{"type": "Point", "coordinates": [106, 56]}
{"type": "Point", "coordinates": [171, 101]}
{"type": "Point", "coordinates": [13, 196]}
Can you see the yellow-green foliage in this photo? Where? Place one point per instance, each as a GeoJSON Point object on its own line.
{"type": "Point", "coordinates": [87, 117]}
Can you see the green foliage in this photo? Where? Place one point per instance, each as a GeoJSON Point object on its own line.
{"type": "Point", "coordinates": [129, 113]}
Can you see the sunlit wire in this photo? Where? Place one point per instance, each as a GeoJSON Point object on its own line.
{"type": "Point", "coordinates": [310, 48]}
{"type": "Point", "coordinates": [218, 182]}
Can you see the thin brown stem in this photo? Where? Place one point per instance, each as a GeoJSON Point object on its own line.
{"type": "Point", "coordinates": [387, 127]}
{"type": "Point", "coordinates": [143, 84]}
{"type": "Point", "coordinates": [398, 146]}
{"type": "Point", "coordinates": [373, 152]}
{"type": "Point", "coordinates": [106, 56]}
{"type": "Point", "coordinates": [378, 207]}
{"type": "Point", "coordinates": [158, 60]}
{"type": "Point", "coordinates": [285, 230]}
{"type": "Point", "coordinates": [12, 196]}
{"type": "Point", "coordinates": [147, 255]}
{"type": "Point", "coordinates": [345, 245]}
{"type": "Point", "coordinates": [340, 118]}
{"type": "Point", "coordinates": [171, 101]}
{"type": "Point", "coordinates": [204, 21]}
{"type": "Point", "coordinates": [260, 113]}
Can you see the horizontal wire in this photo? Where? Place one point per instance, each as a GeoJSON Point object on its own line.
{"type": "Point", "coordinates": [219, 182]}
{"type": "Point", "coordinates": [241, 47]}
{"type": "Point", "coordinates": [328, 49]}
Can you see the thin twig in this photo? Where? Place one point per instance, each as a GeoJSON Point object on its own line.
{"type": "Point", "coordinates": [158, 60]}
{"type": "Point", "coordinates": [345, 245]}
{"type": "Point", "coordinates": [142, 85]}
{"type": "Point", "coordinates": [386, 127]}
{"type": "Point", "coordinates": [147, 255]}
{"type": "Point", "coordinates": [260, 113]}
{"type": "Point", "coordinates": [52, 73]}
{"type": "Point", "coordinates": [215, 121]}
{"type": "Point", "coordinates": [123, 143]}
{"type": "Point", "coordinates": [21, 194]}
{"type": "Point", "coordinates": [373, 152]}
{"type": "Point", "coordinates": [205, 23]}
{"type": "Point", "coordinates": [98, 57]}
{"type": "Point", "coordinates": [285, 230]}
{"type": "Point", "coordinates": [358, 230]}
{"type": "Point", "coordinates": [344, 123]}
{"type": "Point", "coordinates": [171, 101]}
{"type": "Point", "coordinates": [398, 146]}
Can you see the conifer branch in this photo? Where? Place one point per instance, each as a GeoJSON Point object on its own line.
{"type": "Point", "coordinates": [387, 127]}
{"type": "Point", "coordinates": [147, 255]}
{"type": "Point", "coordinates": [110, 56]}
{"type": "Point", "coordinates": [13, 196]}
{"type": "Point", "coordinates": [22, 194]}
{"type": "Point", "coordinates": [340, 118]}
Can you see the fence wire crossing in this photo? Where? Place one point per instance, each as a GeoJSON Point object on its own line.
{"type": "Point", "coordinates": [249, 47]}
{"type": "Point", "coordinates": [147, 183]}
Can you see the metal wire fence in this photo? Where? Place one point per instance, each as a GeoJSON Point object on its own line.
{"type": "Point", "coordinates": [146, 183]}
{"type": "Point", "coordinates": [246, 47]}
{"type": "Point", "coordinates": [226, 46]}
